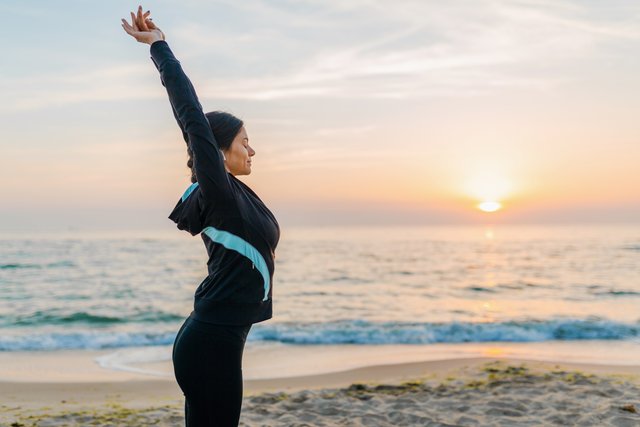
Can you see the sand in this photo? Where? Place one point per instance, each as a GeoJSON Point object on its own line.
{"type": "Point", "coordinates": [479, 391]}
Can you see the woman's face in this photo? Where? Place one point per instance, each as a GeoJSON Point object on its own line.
{"type": "Point", "coordinates": [239, 154]}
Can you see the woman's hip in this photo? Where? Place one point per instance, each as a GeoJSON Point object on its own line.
{"type": "Point", "coordinates": [223, 340]}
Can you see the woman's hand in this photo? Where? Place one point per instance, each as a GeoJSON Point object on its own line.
{"type": "Point", "coordinates": [142, 28]}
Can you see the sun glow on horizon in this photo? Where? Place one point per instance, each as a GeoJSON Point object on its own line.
{"type": "Point", "coordinates": [488, 186]}
{"type": "Point", "coordinates": [489, 206]}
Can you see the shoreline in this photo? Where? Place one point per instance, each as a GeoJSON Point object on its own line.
{"type": "Point", "coordinates": [269, 360]}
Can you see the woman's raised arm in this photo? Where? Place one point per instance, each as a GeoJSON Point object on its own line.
{"type": "Point", "coordinates": [208, 161]}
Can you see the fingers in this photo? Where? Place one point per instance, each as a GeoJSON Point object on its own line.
{"type": "Point", "coordinates": [128, 28]}
{"type": "Point", "coordinates": [141, 20]}
{"type": "Point", "coordinates": [147, 20]}
{"type": "Point", "coordinates": [141, 26]}
{"type": "Point", "coordinates": [133, 22]}
{"type": "Point", "coordinates": [132, 29]}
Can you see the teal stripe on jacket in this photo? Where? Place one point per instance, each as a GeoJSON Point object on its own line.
{"type": "Point", "coordinates": [238, 244]}
{"type": "Point", "coordinates": [189, 191]}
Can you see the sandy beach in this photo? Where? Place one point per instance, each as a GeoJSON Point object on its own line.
{"type": "Point", "coordinates": [470, 391]}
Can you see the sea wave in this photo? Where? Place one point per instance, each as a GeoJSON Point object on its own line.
{"type": "Point", "coordinates": [348, 332]}
{"type": "Point", "coordinates": [83, 340]}
{"type": "Point", "coordinates": [364, 332]}
{"type": "Point", "coordinates": [54, 317]}
{"type": "Point", "coordinates": [27, 265]}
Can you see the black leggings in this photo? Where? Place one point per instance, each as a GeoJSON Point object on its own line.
{"type": "Point", "coordinates": [207, 362]}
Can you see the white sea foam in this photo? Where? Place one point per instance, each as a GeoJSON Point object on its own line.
{"type": "Point", "coordinates": [127, 359]}
{"type": "Point", "coordinates": [349, 332]}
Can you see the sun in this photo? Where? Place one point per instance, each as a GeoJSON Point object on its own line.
{"type": "Point", "coordinates": [488, 187]}
{"type": "Point", "coordinates": [489, 206]}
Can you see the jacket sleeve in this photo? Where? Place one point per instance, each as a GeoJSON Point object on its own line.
{"type": "Point", "coordinates": [207, 159]}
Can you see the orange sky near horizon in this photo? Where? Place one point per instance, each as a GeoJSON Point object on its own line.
{"type": "Point", "coordinates": [375, 116]}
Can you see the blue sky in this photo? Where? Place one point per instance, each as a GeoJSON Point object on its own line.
{"type": "Point", "coordinates": [360, 112]}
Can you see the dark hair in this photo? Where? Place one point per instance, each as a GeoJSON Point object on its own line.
{"type": "Point", "coordinates": [225, 127]}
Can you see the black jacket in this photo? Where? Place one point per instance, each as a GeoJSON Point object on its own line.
{"type": "Point", "coordinates": [239, 232]}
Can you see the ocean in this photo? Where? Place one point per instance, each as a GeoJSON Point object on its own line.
{"type": "Point", "coordinates": [332, 285]}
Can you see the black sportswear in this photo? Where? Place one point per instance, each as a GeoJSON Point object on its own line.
{"type": "Point", "coordinates": [239, 232]}
{"type": "Point", "coordinates": [207, 362]}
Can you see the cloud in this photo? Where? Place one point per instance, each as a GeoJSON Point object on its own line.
{"type": "Point", "coordinates": [365, 49]}
{"type": "Point", "coordinates": [435, 50]}
{"type": "Point", "coordinates": [118, 82]}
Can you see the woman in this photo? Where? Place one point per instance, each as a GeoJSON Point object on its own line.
{"type": "Point", "coordinates": [239, 233]}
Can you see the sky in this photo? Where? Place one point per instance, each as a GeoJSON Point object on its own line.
{"type": "Point", "coordinates": [360, 111]}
